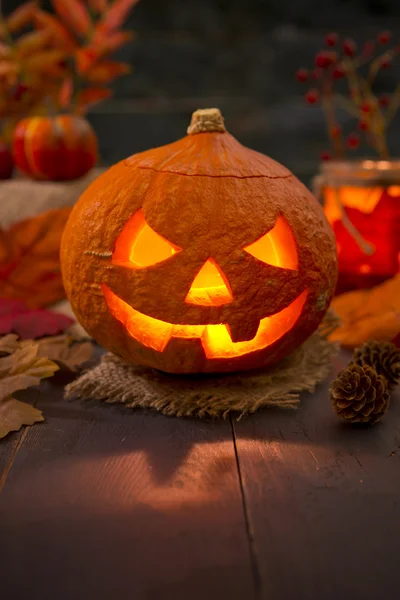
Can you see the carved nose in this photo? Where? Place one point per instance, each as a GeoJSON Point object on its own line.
{"type": "Point", "coordinates": [210, 286]}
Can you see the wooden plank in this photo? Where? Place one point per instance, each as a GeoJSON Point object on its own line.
{"type": "Point", "coordinates": [322, 501]}
{"type": "Point", "coordinates": [103, 502]}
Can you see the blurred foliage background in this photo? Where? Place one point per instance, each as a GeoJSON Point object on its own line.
{"type": "Point", "coordinates": [239, 55]}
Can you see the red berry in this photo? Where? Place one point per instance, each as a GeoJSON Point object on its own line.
{"type": "Point", "coordinates": [353, 141]}
{"type": "Point", "coordinates": [338, 72]}
{"type": "Point", "coordinates": [6, 161]}
{"type": "Point", "coordinates": [349, 47]}
{"type": "Point", "coordinates": [365, 107]}
{"type": "Point", "coordinates": [384, 100]}
{"type": "Point", "coordinates": [312, 96]}
{"type": "Point", "coordinates": [331, 39]}
{"type": "Point", "coordinates": [363, 126]}
{"type": "Point", "coordinates": [325, 59]}
{"type": "Point", "coordinates": [325, 155]}
{"type": "Point", "coordinates": [302, 75]}
{"type": "Point", "coordinates": [384, 37]}
{"type": "Point", "coordinates": [386, 62]}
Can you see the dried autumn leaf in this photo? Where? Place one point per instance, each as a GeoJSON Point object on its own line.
{"type": "Point", "coordinates": [61, 350]}
{"type": "Point", "coordinates": [8, 67]}
{"type": "Point", "coordinates": [33, 41]}
{"type": "Point", "coordinates": [368, 314]}
{"type": "Point", "coordinates": [106, 70]}
{"type": "Point", "coordinates": [5, 50]}
{"type": "Point", "coordinates": [117, 13]}
{"type": "Point", "coordinates": [86, 57]}
{"type": "Point", "coordinates": [60, 35]}
{"type": "Point", "coordinates": [31, 269]}
{"type": "Point", "coordinates": [109, 42]}
{"type": "Point", "coordinates": [21, 16]}
{"type": "Point", "coordinates": [8, 343]}
{"type": "Point", "coordinates": [65, 93]}
{"type": "Point", "coordinates": [14, 414]}
{"type": "Point", "coordinates": [44, 60]}
{"type": "Point", "coordinates": [74, 14]}
{"type": "Point", "coordinates": [98, 5]}
{"type": "Point", "coordinates": [22, 369]}
{"type": "Point", "coordinates": [91, 96]}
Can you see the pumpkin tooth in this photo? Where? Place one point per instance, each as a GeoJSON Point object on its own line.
{"type": "Point", "coordinates": [243, 330]}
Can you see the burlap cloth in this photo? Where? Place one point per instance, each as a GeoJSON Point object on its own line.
{"type": "Point", "coordinates": [113, 380]}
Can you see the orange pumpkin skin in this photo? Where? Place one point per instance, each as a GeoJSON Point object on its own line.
{"type": "Point", "coordinates": [54, 148]}
{"type": "Point", "coordinates": [211, 199]}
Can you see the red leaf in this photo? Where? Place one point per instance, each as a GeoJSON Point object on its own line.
{"type": "Point", "coordinates": [116, 15]}
{"type": "Point", "coordinates": [61, 35]}
{"type": "Point", "coordinates": [15, 317]}
{"type": "Point", "coordinates": [65, 93]}
{"type": "Point", "coordinates": [29, 262]}
{"type": "Point", "coordinates": [86, 58]}
{"type": "Point", "coordinates": [74, 14]}
{"type": "Point", "coordinates": [21, 16]}
{"type": "Point", "coordinates": [109, 42]}
{"type": "Point", "coordinates": [106, 70]}
{"type": "Point", "coordinates": [92, 96]}
{"type": "Point", "coordinates": [98, 6]}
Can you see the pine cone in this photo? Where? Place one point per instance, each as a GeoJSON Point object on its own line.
{"type": "Point", "coordinates": [360, 395]}
{"type": "Point", "coordinates": [384, 357]}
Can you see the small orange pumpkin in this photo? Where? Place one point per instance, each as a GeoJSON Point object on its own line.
{"type": "Point", "coordinates": [199, 256]}
{"type": "Point", "coordinates": [54, 148]}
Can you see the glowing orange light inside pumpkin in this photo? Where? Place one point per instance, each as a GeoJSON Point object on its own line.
{"type": "Point", "coordinates": [140, 246]}
{"type": "Point", "coordinates": [216, 341]}
{"type": "Point", "coordinates": [277, 247]}
{"type": "Point", "coordinates": [209, 287]}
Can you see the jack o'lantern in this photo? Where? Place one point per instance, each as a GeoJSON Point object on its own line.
{"type": "Point", "coordinates": [199, 256]}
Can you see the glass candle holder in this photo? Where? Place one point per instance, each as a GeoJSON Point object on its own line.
{"type": "Point", "coordinates": [362, 203]}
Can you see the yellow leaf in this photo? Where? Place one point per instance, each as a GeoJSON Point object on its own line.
{"type": "Point", "coordinates": [21, 16]}
{"type": "Point", "coordinates": [14, 414]}
{"type": "Point", "coordinates": [74, 14]}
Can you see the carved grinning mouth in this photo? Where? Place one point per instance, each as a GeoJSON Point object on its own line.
{"type": "Point", "coordinates": [215, 339]}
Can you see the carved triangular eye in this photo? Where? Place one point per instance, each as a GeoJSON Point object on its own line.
{"type": "Point", "coordinates": [140, 246]}
{"type": "Point", "coordinates": [277, 247]}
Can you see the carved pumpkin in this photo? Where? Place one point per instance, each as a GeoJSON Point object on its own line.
{"type": "Point", "coordinates": [199, 256]}
{"type": "Point", "coordinates": [54, 148]}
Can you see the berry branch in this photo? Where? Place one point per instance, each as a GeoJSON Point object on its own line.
{"type": "Point", "coordinates": [358, 70]}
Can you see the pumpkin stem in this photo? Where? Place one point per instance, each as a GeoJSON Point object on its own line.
{"type": "Point", "coordinates": [206, 120]}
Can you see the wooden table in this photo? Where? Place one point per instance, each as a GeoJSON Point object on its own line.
{"type": "Point", "coordinates": [101, 502]}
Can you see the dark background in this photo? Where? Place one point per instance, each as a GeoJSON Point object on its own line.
{"type": "Point", "coordinates": [238, 55]}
